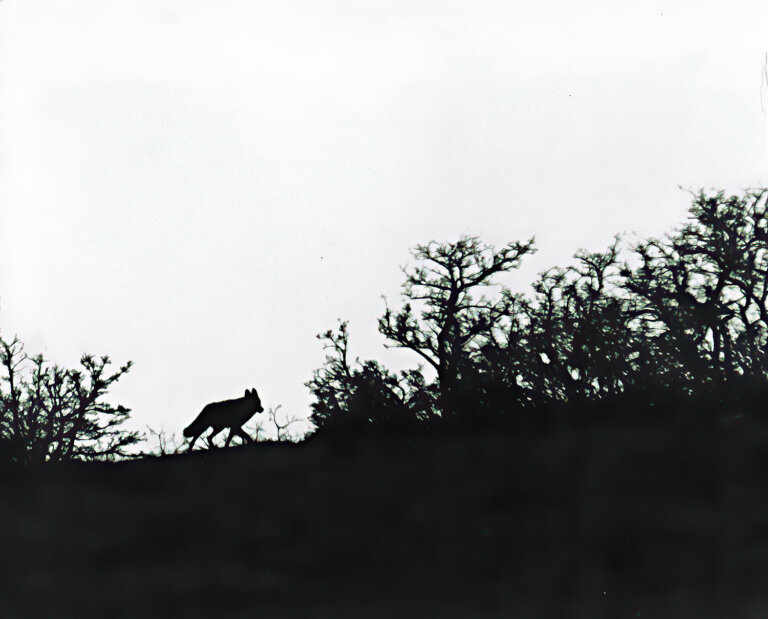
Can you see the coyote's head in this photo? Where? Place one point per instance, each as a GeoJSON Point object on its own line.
{"type": "Point", "coordinates": [253, 397]}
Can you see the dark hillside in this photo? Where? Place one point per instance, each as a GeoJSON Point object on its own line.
{"type": "Point", "coordinates": [632, 522]}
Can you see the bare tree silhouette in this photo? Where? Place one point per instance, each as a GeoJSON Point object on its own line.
{"type": "Point", "coordinates": [165, 444]}
{"type": "Point", "coordinates": [276, 426]}
{"type": "Point", "coordinates": [452, 322]}
{"type": "Point", "coordinates": [49, 413]}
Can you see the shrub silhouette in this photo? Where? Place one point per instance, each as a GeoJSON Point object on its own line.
{"type": "Point", "coordinates": [49, 413]}
{"type": "Point", "coordinates": [361, 394]}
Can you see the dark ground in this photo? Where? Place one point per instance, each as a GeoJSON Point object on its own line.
{"type": "Point", "coordinates": [651, 521]}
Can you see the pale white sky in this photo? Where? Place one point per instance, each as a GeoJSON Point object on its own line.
{"type": "Point", "coordinates": [202, 187]}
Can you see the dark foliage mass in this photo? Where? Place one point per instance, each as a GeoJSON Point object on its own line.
{"type": "Point", "coordinates": [680, 319]}
{"type": "Point", "coordinates": [50, 413]}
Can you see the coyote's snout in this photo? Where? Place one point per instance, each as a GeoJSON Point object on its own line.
{"type": "Point", "coordinates": [230, 414]}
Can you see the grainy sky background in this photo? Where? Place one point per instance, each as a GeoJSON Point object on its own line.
{"type": "Point", "coordinates": [202, 187]}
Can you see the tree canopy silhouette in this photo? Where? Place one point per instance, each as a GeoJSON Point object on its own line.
{"type": "Point", "coordinates": [683, 316]}
{"type": "Point", "coordinates": [453, 323]}
{"type": "Point", "coordinates": [49, 413]}
{"type": "Point", "coordinates": [703, 293]}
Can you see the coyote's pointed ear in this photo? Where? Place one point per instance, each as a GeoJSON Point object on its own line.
{"type": "Point", "coordinates": [247, 392]}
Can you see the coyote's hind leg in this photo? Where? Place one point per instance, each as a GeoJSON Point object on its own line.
{"type": "Point", "coordinates": [243, 434]}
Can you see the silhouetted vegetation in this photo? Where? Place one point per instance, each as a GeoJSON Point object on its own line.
{"type": "Point", "coordinates": [355, 395]}
{"type": "Point", "coordinates": [50, 413]}
{"type": "Point", "coordinates": [681, 323]}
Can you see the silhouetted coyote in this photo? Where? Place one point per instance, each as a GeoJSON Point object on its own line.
{"type": "Point", "coordinates": [230, 414]}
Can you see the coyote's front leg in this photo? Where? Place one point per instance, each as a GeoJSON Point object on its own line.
{"type": "Point", "coordinates": [211, 435]}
